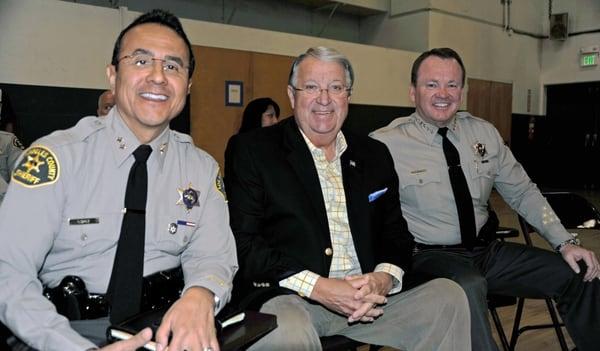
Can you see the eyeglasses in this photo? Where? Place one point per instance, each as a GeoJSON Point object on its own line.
{"type": "Point", "coordinates": [146, 61]}
{"type": "Point", "coordinates": [333, 89]}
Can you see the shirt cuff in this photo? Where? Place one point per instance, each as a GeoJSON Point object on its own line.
{"type": "Point", "coordinates": [396, 272]}
{"type": "Point", "coordinates": [303, 282]}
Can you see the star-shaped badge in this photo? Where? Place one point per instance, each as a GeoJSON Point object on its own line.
{"type": "Point", "coordinates": [33, 163]}
{"type": "Point", "coordinates": [480, 149]}
{"type": "Point", "coordinates": [188, 197]}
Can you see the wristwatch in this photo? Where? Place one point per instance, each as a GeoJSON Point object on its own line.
{"type": "Point", "coordinates": [217, 303]}
{"type": "Point", "coordinates": [572, 241]}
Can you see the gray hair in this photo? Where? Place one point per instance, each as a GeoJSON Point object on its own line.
{"type": "Point", "coordinates": [323, 54]}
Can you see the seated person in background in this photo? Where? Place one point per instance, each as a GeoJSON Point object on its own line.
{"type": "Point", "coordinates": [7, 115]}
{"type": "Point", "coordinates": [105, 102]}
{"type": "Point", "coordinates": [319, 229]}
{"type": "Point", "coordinates": [259, 113]}
{"type": "Point", "coordinates": [447, 163]}
{"type": "Point", "coordinates": [10, 146]}
{"type": "Point", "coordinates": [10, 150]}
{"type": "Point", "coordinates": [114, 199]}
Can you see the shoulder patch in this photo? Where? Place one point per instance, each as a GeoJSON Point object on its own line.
{"type": "Point", "coordinates": [17, 143]}
{"type": "Point", "coordinates": [38, 166]}
{"type": "Point", "coordinates": [220, 185]}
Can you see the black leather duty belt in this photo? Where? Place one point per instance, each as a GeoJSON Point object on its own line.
{"type": "Point", "coordinates": [423, 247]}
{"type": "Point", "coordinates": [72, 299]}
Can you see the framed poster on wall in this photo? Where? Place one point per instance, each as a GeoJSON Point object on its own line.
{"type": "Point", "coordinates": [234, 93]}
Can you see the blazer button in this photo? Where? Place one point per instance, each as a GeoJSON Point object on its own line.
{"type": "Point", "coordinates": [328, 251]}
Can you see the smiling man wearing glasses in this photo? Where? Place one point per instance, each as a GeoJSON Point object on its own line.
{"type": "Point", "coordinates": [319, 229]}
{"type": "Point", "coordinates": [113, 207]}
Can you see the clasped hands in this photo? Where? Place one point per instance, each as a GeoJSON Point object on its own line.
{"type": "Point", "coordinates": [357, 297]}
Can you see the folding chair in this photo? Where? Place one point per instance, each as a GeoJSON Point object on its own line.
{"type": "Point", "coordinates": [574, 212]}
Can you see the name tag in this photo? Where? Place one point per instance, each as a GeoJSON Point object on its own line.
{"type": "Point", "coordinates": [80, 221]}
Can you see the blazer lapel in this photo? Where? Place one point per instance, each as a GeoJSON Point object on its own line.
{"type": "Point", "coordinates": [302, 163]}
{"type": "Point", "coordinates": [356, 198]}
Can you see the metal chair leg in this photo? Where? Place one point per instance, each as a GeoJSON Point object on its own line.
{"type": "Point", "coordinates": [515, 332]}
{"type": "Point", "coordinates": [557, 325]}
{"type": "Point", "coordinates": [500, 330]}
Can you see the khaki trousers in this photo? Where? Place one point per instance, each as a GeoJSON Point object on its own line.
{"type": "Point", "coordinates": [432, 316]}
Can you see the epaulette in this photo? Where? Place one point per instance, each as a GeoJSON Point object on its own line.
{"type": "Point", "coordinates": [39, 165]}
{"type": "Point", "coordinates": [181, 137]}
{"type": "Point", "coordinates": [467, 115]}
{"type": "Point", "coordinates": [86, 127]}
{"type": "Point", "coordinates": [6, 137]}
{"type": "Point", "coordinates": [464, 114]}
{"type": "Point", "coordinates": [393, 124]}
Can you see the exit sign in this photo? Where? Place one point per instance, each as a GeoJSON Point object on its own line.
{"type": "Point", "coordinates": [589, 59]}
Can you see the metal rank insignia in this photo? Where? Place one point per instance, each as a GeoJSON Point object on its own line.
{"type": "Point", "coordinates": [480, 149]}
{"type": "Point", "coordinates": [162, 148]}
{"type": "Point", "coordinates": [188, 197]}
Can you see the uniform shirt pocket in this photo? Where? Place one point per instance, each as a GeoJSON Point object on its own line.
{"type": "Point", "coordinates": [173, 235]}
{"type": "Point", "coordinates": [89, 234]}
{"type": "Point", "coordinates": [483, 174]}
{"type": "Point", "coordinates": [421, 187]}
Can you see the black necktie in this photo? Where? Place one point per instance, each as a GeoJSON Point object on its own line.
{"type": "Point", "coordinates": [462, 195]}
{"type": "Point", "coordinates": [125, 287]}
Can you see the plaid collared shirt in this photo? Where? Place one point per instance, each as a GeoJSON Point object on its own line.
{"type": "Point", "coordinates": [344, 260]}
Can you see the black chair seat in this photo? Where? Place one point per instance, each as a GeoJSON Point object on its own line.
{"type": "Point", "coordinates": [495, 301]}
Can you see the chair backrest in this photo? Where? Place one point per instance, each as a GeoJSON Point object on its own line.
{"type": "Point", "coordinates": [573, 210]}
{"type": "Point", "coordinates": [526, 229]}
